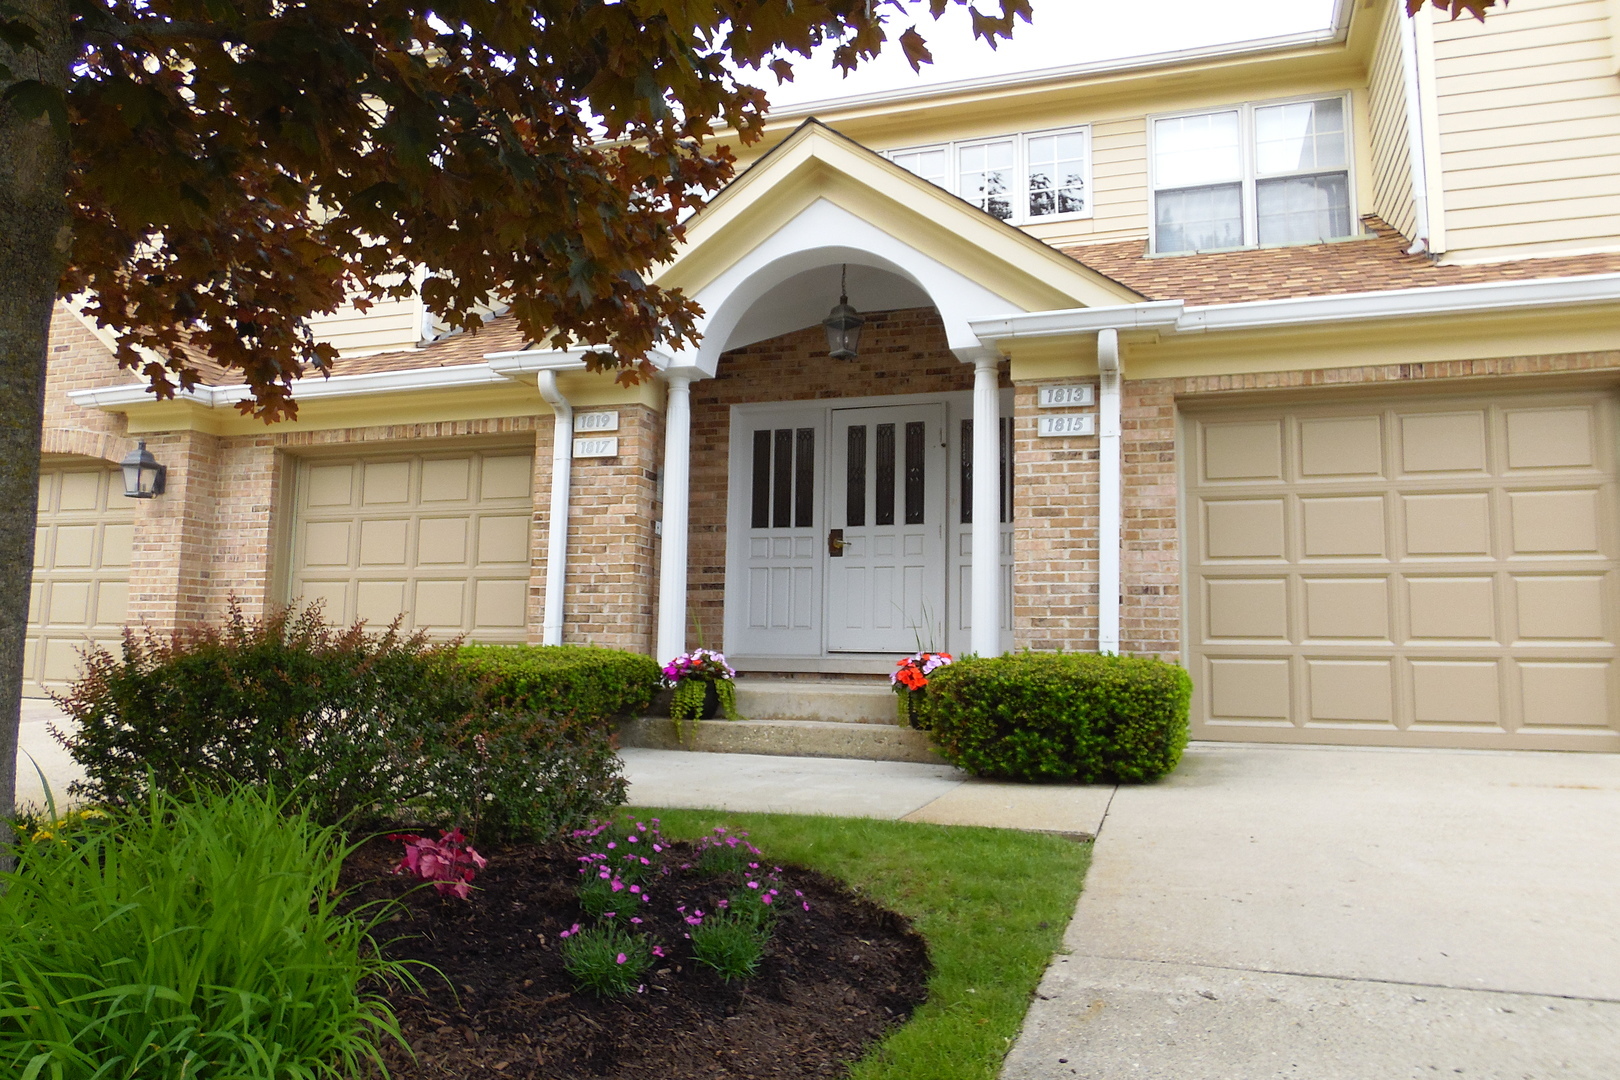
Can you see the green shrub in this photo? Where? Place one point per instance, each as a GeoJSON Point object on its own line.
{"type": "Point", "coordinates": [607, 960]}
{"type": "Point", "coordinates": [1043, 716]}
{"type": "Point", "coordinates": [731, 943]}
{"type": "Point", "coordinates": [187, 939]}
{"type": "Point", "coordinates": [362, 728]}
{"type": "Point", "coordinates": [572, 684]}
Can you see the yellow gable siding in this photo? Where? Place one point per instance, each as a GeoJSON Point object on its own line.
{"type": "Point", "coordinates": [1391, 148]}
{"type": "Point", "coordinates": [1529, 130]}
{"type": "Point", "coordinates": [387, 326]}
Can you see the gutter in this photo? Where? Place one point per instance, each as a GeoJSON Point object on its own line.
{"type": "Point", "coordinates": [335, 386]}
{"type": "Point", "coordinates": [562, 475]}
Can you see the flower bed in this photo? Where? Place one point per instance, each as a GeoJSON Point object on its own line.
{"type": "Point", "coordinates": [836, 972]}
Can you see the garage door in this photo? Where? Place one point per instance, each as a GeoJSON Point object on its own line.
{"type": "Point", "coordinates": [1422, 572]}
{"type": "Point", "coordinates": [80, 590]}
{"type": "Point", "coordinates": [441, 538]}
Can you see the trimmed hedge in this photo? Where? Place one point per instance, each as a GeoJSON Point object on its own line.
{"type": "Point", "coordinates": [572, 684]}
{"type": "Point", "coordinates": [363, 728]}
{"type": "Point", "coordinates": [1067, 716]}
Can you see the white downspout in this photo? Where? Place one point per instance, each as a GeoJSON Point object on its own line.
{"type": "Point", "coordinates": [1414, 137]}
{"type": "Point", "coordinates": [1109, 481]}
{"type": "Point", "coordinates": [562, 470]}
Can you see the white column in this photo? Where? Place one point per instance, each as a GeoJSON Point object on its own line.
{"type": "Point", "coordinates": [677, 506]}
{"type": "Point", "coordinates": [1109, 484]}
{"type": "Point", "coordinates": [985, 636]}
{"type": "Point", "coordinates": [562, 465]}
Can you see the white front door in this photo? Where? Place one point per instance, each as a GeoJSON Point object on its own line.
{"type": "Point", "coordinates": [885, 545]}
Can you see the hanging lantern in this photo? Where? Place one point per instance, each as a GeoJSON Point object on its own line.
{"type": "Point", "coordinates": [143, 476]}
{"type": "Point", "coordinates": [843, 324]}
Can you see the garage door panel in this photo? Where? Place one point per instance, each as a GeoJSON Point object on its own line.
{"type": "Point", "coordinates": [1554, 522]}
{"type": "Point", "coordinates": [383, 542]}
{"type": "Point", "coordinates": [1563, 608]}
{"type": "Point", "coordinates": [1550, 438]}
{"type": "Point", "coordinates": [1351, 691]}
{"type": "Point", "coordinates": [442, 538]}
{"type": "Point", "coordinates": [82, 545]}
{"type": "Point", "coordinates": [1451, 442]}
{"type": "Point", "coordinates": [112, 604]}
{"type": "Point", "coordinates": [1566, 694]}
{"type": "Point", "coordinates": [1451, 608]}
{"type": "Point", "coordinates": [507, 478]}
{"type": "Point", "coordinates": [1338, 528]}
{"type": "Point", "coordinates": [1456, 692]}
{"type": "Point", "coordinates": [1246, 608]}
{"type": "Point", "coordinates": [329, 485]}
{"type": "Point", "coordinates": [386, 483]}
{"type": "Point", "coordinates": [1248, 689]}
{"type": "Point", "coordinates": [1347, 609]}
{"type": "Point", "coordinates": [1350, 446]}
{"type": "Point", "coordinates": [379, 602]}
{"type": "Point", "coordinates": [446, 479]}
{"type": "Point", "coordinates": [333, 596]}
{"type": "Point", "coordinates": [1244, 529]}
{"type": "Point", "coordinates": [441, 541]}
{"type": "Point", "coordinates": [1451, 524]}
{"type": "Point", "coordinates": [326, 543]}
{"type": "Point", "coordinates": [117, 545]}
{"type": "Point", "coordinates": [1437, 571]}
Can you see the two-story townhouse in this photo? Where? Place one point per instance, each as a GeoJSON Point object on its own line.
{"type": "Point", "coordinates": [1295, 361]}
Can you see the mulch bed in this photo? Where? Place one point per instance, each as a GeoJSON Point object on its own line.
{"type": "Point", "coordinates": [834, 979]}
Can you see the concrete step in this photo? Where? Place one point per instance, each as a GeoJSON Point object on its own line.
{"type": "Point", "coordinates": [848, 701]}
{"type": "Point", "coordinates": [792, 738]}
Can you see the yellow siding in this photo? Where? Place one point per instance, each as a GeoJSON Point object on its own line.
{"type": "Point", "coordinates": [1391, 165]}
{"type": "Point", "coordinates": [1529, 130]}
{"type": "Point", "coordinates": [1119, 187]}
{"type": "Point", "coordinates": [387, 326]}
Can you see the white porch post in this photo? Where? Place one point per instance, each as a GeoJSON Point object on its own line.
{"type": "Point", "coordinates": [1109, 492]}
{"type": "Point", "coordinates": [677, 507]}
{"type": "Point", "coordinates": [985, 636]}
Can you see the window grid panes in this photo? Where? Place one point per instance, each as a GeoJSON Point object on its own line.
{"type": "Point", "coordinates": [1022, 178]}
{"type": "Point", "coordinates": [1259, 174]}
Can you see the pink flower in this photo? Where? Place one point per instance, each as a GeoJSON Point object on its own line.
{"type": "Point", "coordinates": [658, 951]}
{"type": "Point", "coordinates": [622, 958]}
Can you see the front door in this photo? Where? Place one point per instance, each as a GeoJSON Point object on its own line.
{"type": "Point", "coordinates": [885, 559]}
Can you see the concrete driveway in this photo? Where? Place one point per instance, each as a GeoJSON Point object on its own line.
{"type": "Point", "coordinates": [35, 744]}
{"type": "Point", "coordinates": [1328, 914]}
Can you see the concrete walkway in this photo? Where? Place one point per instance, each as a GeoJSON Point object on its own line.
{"type": "Point", "coordinates": [35, 745]}
{"type": "Point", "coordinates": [1345, 915]}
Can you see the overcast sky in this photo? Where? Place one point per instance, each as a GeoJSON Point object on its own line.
{"type": "Point", "coordinates": [1064, 32]}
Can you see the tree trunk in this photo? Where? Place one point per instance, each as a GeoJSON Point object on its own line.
{"type": "Point", "coordinates": [34, 239]}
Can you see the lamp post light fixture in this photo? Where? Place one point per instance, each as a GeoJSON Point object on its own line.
{"type": "Point", "coordinates": [143, 476]}
{"type": "Point", "coordinates": [843, 324]}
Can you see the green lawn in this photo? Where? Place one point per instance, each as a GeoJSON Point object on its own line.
{"type": "Point", "coordinates": [992, 904]}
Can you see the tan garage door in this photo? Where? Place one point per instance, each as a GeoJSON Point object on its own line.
{"type": "Point", "coordinates": [1431, 572]}
{"type": "Point", "coordinates": [80, 591]}
{"type": "Point", "coordinates": [441, 538]}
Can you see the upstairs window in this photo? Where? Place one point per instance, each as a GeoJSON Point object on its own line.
{"type": "Point", "coordinates": [1021, 179]}
{"type": "Point", "coordinates": [1253, 175]}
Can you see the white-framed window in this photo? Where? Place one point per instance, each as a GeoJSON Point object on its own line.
{"type": "Point", "coordinates": [1022, 178]}
{"type": "Point", "coordinates": [1260, 174]}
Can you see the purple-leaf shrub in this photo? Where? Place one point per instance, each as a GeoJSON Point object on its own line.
{"type": "Point", "coordinates": [449, 862]}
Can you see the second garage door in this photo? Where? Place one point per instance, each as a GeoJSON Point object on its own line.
{"type": "Point", "coordinates": [441, 538]}
{"type": "Point", "coordinates": [1427, 572]}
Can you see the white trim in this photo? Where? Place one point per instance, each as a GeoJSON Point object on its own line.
{"type": "Point", "coordinates": [1169, 316]}
{"type": "Point", "coordinates": [562, 476]}
{"type": "Point", "coordinates": [334, 386]}
{"type": "Point", "coordinates": [1415, 159]}
{"type": "Point", "coordinates": [1333, 34]}
{"type": "Point", "coordinates": [1110, 490]}
{"type": "Point", "coordinates": [676, 528]}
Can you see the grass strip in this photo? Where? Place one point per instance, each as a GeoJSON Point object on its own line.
{"type": "Point", "coordinates": [992, 904]}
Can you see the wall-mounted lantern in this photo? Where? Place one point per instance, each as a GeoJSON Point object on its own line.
{"type": "Point", "coordinates": [843, 324]}
{"type": "Point", "coordinates": [143, 476]}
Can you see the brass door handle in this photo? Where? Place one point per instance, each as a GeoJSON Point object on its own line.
{"type": "Point", "coordinates": [836, 543]}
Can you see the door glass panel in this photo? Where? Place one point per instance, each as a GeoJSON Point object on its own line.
{"type": "Point", "coordinates": [884, 514]}
{"type": "Point", "coordinates": [760, 518]}
{"type": "Point", "coordinates": [782, 497]}
{"type": "Point", "coordinates": [855, 498]}
{"type": "Point", "coordinates": [914, 473]}
{"type": "Point", "coordinates": [804, 476]}
{"type": "Point", "coordinates": [966, 482]}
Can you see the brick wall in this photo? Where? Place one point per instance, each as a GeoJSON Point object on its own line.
{"type": "Point", "coordinates": [902, 352]}
{"type": "Point", "coordinates": [78, 360]}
